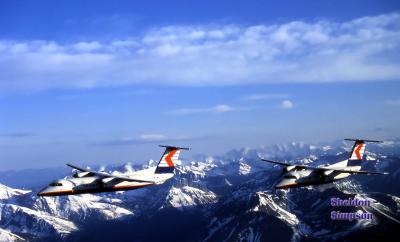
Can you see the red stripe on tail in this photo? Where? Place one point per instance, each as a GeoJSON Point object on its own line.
{"type": "Point", "coordinates": [168, 158]}
{"type": "Point", "coordinates": [357, 151]}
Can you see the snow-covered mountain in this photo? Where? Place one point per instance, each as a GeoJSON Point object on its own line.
{"type": "Point", "coordinates": [8, 236]}
{"type": "Point", "coordinates": [189, 197]}
{"type": "Point", "coordinates": [229, 197]}
{"type": "Point", "coordinates": [8, 192]}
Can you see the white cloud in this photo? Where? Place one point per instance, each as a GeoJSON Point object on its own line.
{"type": "Point", "coordinates": [87, 46]}
{"type": "Point", "coordinates": [363, 49]}
{"type": "Point", "coordinates": [152, 137]}
{"type": "Point", "coordinates": [263, 96]}
{"type": "Point", "coordinates": [145, 138]}
{"type": "Point", "coordinates": [222, 108]}
{"type": "Point", "coordinates": [287, 104]}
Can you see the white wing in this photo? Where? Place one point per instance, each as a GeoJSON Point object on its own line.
{"type": "Point", "coordinates": [104, 174]}
{"type": "Point", "coordinates": [327, 169]}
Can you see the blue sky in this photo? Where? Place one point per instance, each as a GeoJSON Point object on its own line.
{"type": "Point", "coordinates": [99, 83]}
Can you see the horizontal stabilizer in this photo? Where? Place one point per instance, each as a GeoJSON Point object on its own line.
{"type": "Point", "coordinates": [174, 147]}
{"type": "Point", "coordinates": [364, 140]}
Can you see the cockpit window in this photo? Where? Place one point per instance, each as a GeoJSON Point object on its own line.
{"type": "Point", "coordinates": [55, 184]}
{"type": "Point", "coordinates": [290, 177]}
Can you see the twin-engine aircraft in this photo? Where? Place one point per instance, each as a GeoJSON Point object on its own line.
{"type": "Point", "coordinates": [88, 181]}
{"type": "Point", "coordinates": [303, 175]}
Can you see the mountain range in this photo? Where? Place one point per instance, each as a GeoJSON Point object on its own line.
{"type": "Point", "coordinates": [212, 198]}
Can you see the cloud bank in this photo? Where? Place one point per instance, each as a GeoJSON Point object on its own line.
{"type": "Point", "coordinates": [144, 139]}
{"type": "Point", "coordinates": [265, 96]}
{"type": "Point", "coordinates": [364, 49]}
{"type": "Point", "coordinates": [222, 108]}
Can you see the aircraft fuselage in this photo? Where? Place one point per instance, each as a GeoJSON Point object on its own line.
{"type": "Point", "coordinates": [89, 185]}
{"type": "Point", "coordinates": [305, 177]}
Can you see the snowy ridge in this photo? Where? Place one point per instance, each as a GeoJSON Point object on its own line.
{"type": "Point", "coordinates": [8, 192]}
{"type": "Point", "coordinates": [235, 192]}
{"type": "Point", "coordinates": [81, 206]}
{"type": "Point", "coordinates": [10, 237]}
{"type": "Point", "coordinates": [18, 219]}
{"type": "Point", "coordinates": [244, 169]}
{"type": "Point", "coordinates": [216, 225]}
{"type": "Point", "coordinates": [269, 204]}
{"type": "Point", "coordinates": [23, 213]}
{"type": "Point", "coordinates": [186, 197]}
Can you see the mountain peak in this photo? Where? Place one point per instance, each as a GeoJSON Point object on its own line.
{"type": "Point", "coordinates": [8, 192]}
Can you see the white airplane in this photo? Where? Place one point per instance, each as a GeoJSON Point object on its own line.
{"type": "Point", "coordinates": [88, 181]}
{"type": "Point", "coordinates": [303, 175]}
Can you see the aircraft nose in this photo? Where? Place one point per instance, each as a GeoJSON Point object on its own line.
{"type": "Point", "coordinates": [42, 192]}
{"type": "Point", "coordinates": [284, 184]}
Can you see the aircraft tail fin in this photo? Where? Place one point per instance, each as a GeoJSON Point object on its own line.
{"type": "Point", "coordinates": [171, 155]}
{"type": "Point", "coordinates": [358, 150]}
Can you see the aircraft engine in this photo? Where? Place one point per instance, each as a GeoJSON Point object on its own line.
{"type": "Point", "coordinates": [288, 168]}
{"type": "Point", "coordinates": [291, 175]}
{"type": "Point", "coordinates": [81, 174]}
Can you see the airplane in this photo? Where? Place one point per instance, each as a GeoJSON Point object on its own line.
{"type": "Point", "coordinates": [88, 181]}
{"type": "Point", "coordinates": [303, 175]}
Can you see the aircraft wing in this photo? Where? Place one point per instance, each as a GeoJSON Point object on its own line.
{"type": "Point", "coordinates": [288, 164]}
{"type": "Point", "coordinates": [106, 175]}
{"type": "Point", "coordinates": [327, 168]}
{"type": "Point", "coordinates": [125, 178]}
{"type": "Point", "coordinates": [78, 168]}
{"type": "Point", "coordinates": [352, 172]}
